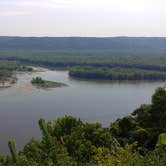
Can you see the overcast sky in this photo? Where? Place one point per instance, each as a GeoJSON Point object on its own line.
{"type": "Point", "coordinates": [83, 17]}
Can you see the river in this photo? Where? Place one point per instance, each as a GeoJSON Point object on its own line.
{"type": "Point", "coordinates": [22, 105]}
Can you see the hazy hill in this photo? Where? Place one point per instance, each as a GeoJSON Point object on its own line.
{"type": "Point", "coordinates": [83, 43]}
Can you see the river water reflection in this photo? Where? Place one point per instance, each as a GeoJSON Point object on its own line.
{"type": "Point", "coordinates": [22, 105]}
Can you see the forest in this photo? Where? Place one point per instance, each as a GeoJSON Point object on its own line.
{"type": "Point", "coordinates": [116, 73]}
{"type": "Point", "coordinates": [136, 139]}
{"type": "Point", "coordinates": [96, 58]}
{"type": "Point", "coordinates": [98, 64]}
{"type": "Point", "coordinates": [83, 43]}
{"type": "Point", "coordinates": [139, 54]}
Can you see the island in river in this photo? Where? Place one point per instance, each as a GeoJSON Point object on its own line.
{"type": "Point", "coordinates": [41, 83]}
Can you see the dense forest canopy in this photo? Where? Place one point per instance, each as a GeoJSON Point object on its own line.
{"type": "Point", "coordinates": [137, 139]}
{"type": "Point", "coordinates": [142, 65]}
{"type": "Point", "coordinates": [83, 43]}
{"type": "Point", "coordinates": [142, 60]}
{"type": "Point", "coordinates": [116, 73]}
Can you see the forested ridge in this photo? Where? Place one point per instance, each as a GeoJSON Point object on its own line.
{"type": "Point", "coordinates": [137, 139]}
{"type": "Point", "coordinates": [83, 43]}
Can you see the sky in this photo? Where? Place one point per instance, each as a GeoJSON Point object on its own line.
{"type": "Point", "coordinates": [99, 18]}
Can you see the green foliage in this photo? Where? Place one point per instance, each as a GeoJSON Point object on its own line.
{"type": "Point", "coordinates": [158, 110]}
{"type": "Point", "coordinates": [95, 58]}
{"type": "Point", "coordinates": [82, 138]}
{"type": "Point", "coordinates": [37, 80]}
{"type": "Point", "coordinates": [102, 64]}
{"type": "Point", "coordinates": [40, 83]}
{"type": "Point", "coordinates": [161, 139]}
{"type": "Point", "coordinates": [12, 150]}
{"type": "Point", "coordinates": [64, 126]}
{"type": "Point", "coordinates": [145, 124]}
{"type": "Point", "coordinates": [127, 156]}
{"type": "Point", "coordinates": [116, 73]}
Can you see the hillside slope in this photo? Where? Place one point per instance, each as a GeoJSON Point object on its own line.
{"type": "Point", "coordinates": [83, 43]}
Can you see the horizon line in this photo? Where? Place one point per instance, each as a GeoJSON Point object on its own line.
{"type": "Point", "coordinates": [123, 36]}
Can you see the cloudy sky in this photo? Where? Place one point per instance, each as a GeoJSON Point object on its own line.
{"type": "Point", "coordinates": [83, 17]}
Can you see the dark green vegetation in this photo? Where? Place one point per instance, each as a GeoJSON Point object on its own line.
{"type": "Point", "coordinates": [83, 43]}
{"type": "Point", "coordinates": [95, 58]}
{"type": "Point", "coordinates": [116, 73]}
{"type": "Point", "coordinates": [145, 124]}
{"type": "Point", "coordinates": [141, 65]}
{"type": "Point", "coordinates": [40, 83]}
{"type": "Point", "coordinates": [138, 139]}
{"type": "Point", "coordinates": [7, 68]}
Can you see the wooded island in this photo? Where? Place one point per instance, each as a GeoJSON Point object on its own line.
{"type": "Point", "coordinates": [40, 83]}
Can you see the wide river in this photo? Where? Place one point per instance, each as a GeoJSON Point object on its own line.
{"type": "Point", "coordinates": [22, 105]}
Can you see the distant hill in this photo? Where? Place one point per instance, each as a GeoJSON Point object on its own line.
{"type": "Point", "coordinates": [83, 43]}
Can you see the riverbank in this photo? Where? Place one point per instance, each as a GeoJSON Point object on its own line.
{"type": "Point", "coordinates": [38, 69]}
{"type": "Point", "coordinates": [8, 82]}
{"type": "Point", "coordinates": [5, 85]}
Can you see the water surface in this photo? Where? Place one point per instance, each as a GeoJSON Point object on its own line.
{"type": "Point", "coordinates": [22, 105]}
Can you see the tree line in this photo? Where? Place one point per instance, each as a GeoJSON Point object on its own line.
{"type": "Point", "coordinates": [154, 61]}
{"type": "Point", "coordinates": [116, 73]}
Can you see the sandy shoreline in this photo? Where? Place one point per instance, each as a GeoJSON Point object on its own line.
{"type": "Point", "coordinates": [5, 85]}
{"type": "Point", "coordinates": [38, 69]}
{"type": "Point", "coordinates": [9, 84]}
{"type": "Point", "coordinates": [27, 86]}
